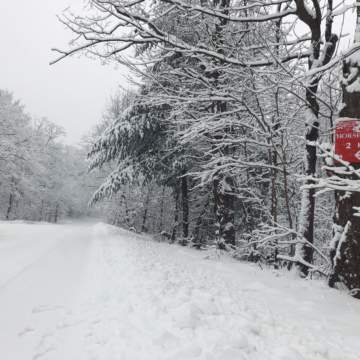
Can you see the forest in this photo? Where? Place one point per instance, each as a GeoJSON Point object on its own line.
{"type": "Point", "coordinates": [223, 137]}
{"type": "Point", "coordinates": [40, 177]}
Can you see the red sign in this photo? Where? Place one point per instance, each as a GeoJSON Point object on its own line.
{"type": "Point", "coordinates": [347, 140]}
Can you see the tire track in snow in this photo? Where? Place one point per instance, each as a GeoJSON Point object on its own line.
{"type": "Point", "coordinates": [29, 266]}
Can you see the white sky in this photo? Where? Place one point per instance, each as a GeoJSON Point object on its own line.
{"type": "Point", "coordinates": [72, 93]}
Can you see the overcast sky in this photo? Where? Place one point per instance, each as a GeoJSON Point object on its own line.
{"type": "Point", "coordinates": [72, 93]}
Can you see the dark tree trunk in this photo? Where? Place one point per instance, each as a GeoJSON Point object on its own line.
{"type": "Point", "coordinates": [223, 188]}
{"type": "Point", "coordinates": [129, 218]}
{"type": "Point", "coordinates": [306, 226]}
{"type": "Point", "coordinates": [345, 252]}
{"type": "Point", "coordinates": [185, 205]}
{"type": "Point", "coordinates": [199, 220]}
{"type": "Point", "coordinates": [145, 213]}
{"type": "Point", "coordinates": [176, 213]}
{"type": "Point", "coordinates": [223, 184]}
{"type": "Point", "coordinates": [10, 206]}
{"type": "Point", "coordinates": [161, 220]}
{"type": "Point", "coordinates": [41, 217]}
{"type": "Point", "coordinates": [273, 174]}
{"type": "Point", "coordinates": [143, 225]}
{"type": "Point", "coordinates": [314, 22]}
{"type": "Point", "coordinates": [56, 213]}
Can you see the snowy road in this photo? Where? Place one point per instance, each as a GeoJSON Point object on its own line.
{"type": "Point", "coordinates": [92, 292]}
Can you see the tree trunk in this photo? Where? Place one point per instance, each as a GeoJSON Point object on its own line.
{"type": "Point", "coordinates": [223, 184]}
{"type": "Point", "coordinates": [56, 213]}
{"type": "Point", "coordinates": [129, 219]}
{"type": "Point", "coordinates": [223, 187]}
{"type": "Point", "coordinates": [10, 206]}
{"type": "Point", "coordinates": [176, 213]}
{"type": "Point", "coordinates": [145, 213]}
{"type": "Point", "coordinates": [185, 205]}
{"type": "Point", "coordinates": [307, 214]}
{"type": "Point", "coordinates": [345, 252]}
{"type": "Point", "coordinates": [304, 250]}
{"type": "Point", "coordinates": [199, 220]}
{"type": "Point", "coordinates": [41, 211]}
{"type": "Point", "coordinates": [273, 174]}
{"type": "Point", "coordinates": [161, 220]}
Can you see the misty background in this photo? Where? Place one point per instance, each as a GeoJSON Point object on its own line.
{"type": "Point", "coordinates": [72, 93]}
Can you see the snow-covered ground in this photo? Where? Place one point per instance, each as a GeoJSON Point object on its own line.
{"type": "Point", "coordinates": [93, 292]}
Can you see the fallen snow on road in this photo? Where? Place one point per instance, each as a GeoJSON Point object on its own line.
{"type": "Point", "coordinates": [94, 292]}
